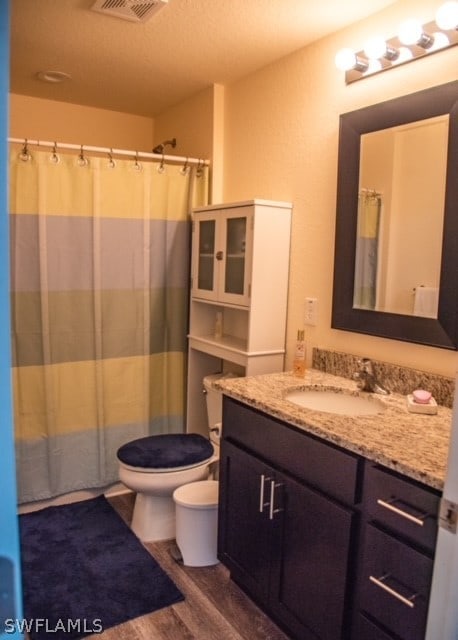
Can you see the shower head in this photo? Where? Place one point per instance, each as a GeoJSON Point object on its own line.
{"type": "Point", "coordinates": [160, 147]}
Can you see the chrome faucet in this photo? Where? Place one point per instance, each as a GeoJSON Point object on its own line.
{"type": "Point", "coordinates": [366, 378]}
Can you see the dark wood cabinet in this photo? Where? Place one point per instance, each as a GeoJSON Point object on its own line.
{"type": "Point", "coordinates": [245, 537]}
{"type": "Point", "coordinates": [399, 531]}
{"type": "Point", "coordinates": [310, 562]}
{"type": "Point", "coordinates": [331, 545]}
{"type": "Point", "coordinates": [285, 542]}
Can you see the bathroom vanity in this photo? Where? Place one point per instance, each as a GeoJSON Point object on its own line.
{"type": "Point", "coordinates": [329, 521]}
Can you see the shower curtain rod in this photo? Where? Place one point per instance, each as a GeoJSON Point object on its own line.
{"type": "Point", "coordinates": [135, 155]}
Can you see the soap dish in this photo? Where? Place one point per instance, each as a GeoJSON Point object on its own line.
{"type": "Point", "coordinates": [429, 408]}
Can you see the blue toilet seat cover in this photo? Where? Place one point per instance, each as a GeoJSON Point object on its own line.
{"type": "Point", "coordinates": [166, 451]}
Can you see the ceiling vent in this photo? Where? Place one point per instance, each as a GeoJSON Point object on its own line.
{"type": "Point", "coordinates": [133, 10]}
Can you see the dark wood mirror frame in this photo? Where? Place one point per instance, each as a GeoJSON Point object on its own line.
{"type": "Point", "coordinates": [442, 332]}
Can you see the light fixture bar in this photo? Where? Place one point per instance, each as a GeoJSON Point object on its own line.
{"type": "Point", "coordinates": [433, 39]}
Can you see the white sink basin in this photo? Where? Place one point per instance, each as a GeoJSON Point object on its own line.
{"type": "Point", "coordinates": [336, 401]}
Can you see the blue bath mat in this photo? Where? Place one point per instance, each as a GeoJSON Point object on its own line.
{"type": "Point", "coordinates": [83, 571]}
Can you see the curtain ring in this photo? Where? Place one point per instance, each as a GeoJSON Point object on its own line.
{"type": "Point", "coordinates": [82, 161]}
{"type": "Point", "coordinates": [111, 162]}
{"type": "Point", "coordinates": [54, 157]}
{"type": "Point", "coordinates": [25, 155]}
{"type": "Point", "coordinates": [185, 168]}
{"type": "Point", "coordinates": [200, 168]}
{"type": "Point", "coordinates": [137, 165]}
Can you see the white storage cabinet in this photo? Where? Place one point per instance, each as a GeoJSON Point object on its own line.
{"type": "Point", "coordinates": [239, 270]}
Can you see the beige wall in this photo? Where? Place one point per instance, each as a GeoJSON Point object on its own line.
{"type": "Point", "coordinates": [39, 119]}
{"type": "Point", "coordinates": [198, 126]}
{"type": "Point", "coordinates": [281, 143]}
{"type": "Point", "coordinates": [191, 123]}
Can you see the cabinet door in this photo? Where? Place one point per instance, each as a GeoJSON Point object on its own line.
{"type": "Point", "coordinates": [234, 253]}
{"type": "Point", "coordinates": [204, 274]}
{"type": "Point", "coordinates": [310, 568]}
{"type": "Point", "coordinates": [244, 534]}
{"type": "Point", "coordinates": [222, 255]}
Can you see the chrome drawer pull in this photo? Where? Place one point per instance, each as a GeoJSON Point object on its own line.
{"type": "Point", "coordinates": [379, 582]}
{"type": "Point", "coordinates": [400, 512]}
{"type": "Point", "coordinates": [262, 504]}
{"type": "Point", "coordinates": [273, 485]}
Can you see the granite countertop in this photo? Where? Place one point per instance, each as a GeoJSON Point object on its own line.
{"type": "Point", "coordinates": [415, 445]}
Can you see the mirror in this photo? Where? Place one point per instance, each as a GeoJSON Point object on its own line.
{"type": "Point", "coordinates": [354, 310]}
{"type": "Point", "coordinates": [401, 204]}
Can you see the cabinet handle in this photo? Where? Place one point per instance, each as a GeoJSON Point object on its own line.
{"type": "Point", "coordinates": [262, 504]}
{"type": "Point", "coordinates": [379, 582]}
{"type": "Point", "coordinates": [390, 506]}
{"type": "Point", "coordinates": [272, 510]}
{"type": "Point", "coordinates": [219, 255]}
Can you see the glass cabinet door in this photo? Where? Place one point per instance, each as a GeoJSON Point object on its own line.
{"type": "Point", "coordinates": [234, 278]}
{"type": "Point", "coordinates": [221, 256]}
{"type": "Point", "coordinates": [206, 255]}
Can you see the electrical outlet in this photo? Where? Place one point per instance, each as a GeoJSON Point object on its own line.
{"type": "Point", "coordinates": [311, 311]}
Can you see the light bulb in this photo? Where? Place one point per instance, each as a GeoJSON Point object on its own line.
{"type": "Point", "coordinates": [410, 32]}
{"type": "Point", "coordinates": [345, 59]}
{"type": "Point", "coordinates": [375, 47]}
{"type": "Point", "coordinates": [440, 41]}
{"type": "Point", "coordinates": [374, 66]}
{"type": "Point", "coordinates": [447, 16]}
{"type": "Point", "coordinates": [405, 54]}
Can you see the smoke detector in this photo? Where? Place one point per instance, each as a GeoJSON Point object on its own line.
{"type": "Point", "coordinates": [133, 10]}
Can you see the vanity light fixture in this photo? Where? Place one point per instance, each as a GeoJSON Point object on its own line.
{"type": "Point", "coordinates": [413, 41]}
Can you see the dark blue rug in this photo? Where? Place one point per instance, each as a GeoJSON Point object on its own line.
{"type": "Point", "coordinates": [83, 571]}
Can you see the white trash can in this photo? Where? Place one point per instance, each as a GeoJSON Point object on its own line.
{"type": "Point", "coordinates": [196, 508]}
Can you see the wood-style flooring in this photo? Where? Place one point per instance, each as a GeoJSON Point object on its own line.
{"type": "Point", "coordinates": [214, 607]}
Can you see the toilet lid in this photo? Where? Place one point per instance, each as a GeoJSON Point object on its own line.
{"type": "Point", "coordinates": [166, 451]}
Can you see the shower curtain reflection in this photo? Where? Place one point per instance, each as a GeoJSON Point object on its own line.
{"type": "Point", "coordinates": [366, 260]}
{"type": "Point", "coordinates": [99, 286]}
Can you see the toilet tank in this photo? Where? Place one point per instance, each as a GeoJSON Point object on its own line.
{"type": "Point", "coordinates": [214, 399]}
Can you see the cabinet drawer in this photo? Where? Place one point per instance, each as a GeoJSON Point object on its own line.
{"type": "Point", "coordinates": [403, 506]}
{"type": "Point", "coordinates": [333, 471]}
{"type": "Point", "coordinates": [396, 581]}
{"type": "Point", "coordinates": [367, 630]}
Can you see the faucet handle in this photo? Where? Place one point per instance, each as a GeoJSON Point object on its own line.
{"type": "Point", "coordinates": [366, 364]}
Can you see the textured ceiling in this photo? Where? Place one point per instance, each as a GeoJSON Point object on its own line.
{"type": "Point", "coordinates": [188, 45]}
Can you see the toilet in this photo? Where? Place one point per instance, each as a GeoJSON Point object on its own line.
{"type": "Point", "coordinates": [155, 466]}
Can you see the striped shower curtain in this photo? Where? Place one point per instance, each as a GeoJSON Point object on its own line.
{"type": "Point", "coordinates": [366, 262]}
{"type": "Point", "coordinates": [99, 288]}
